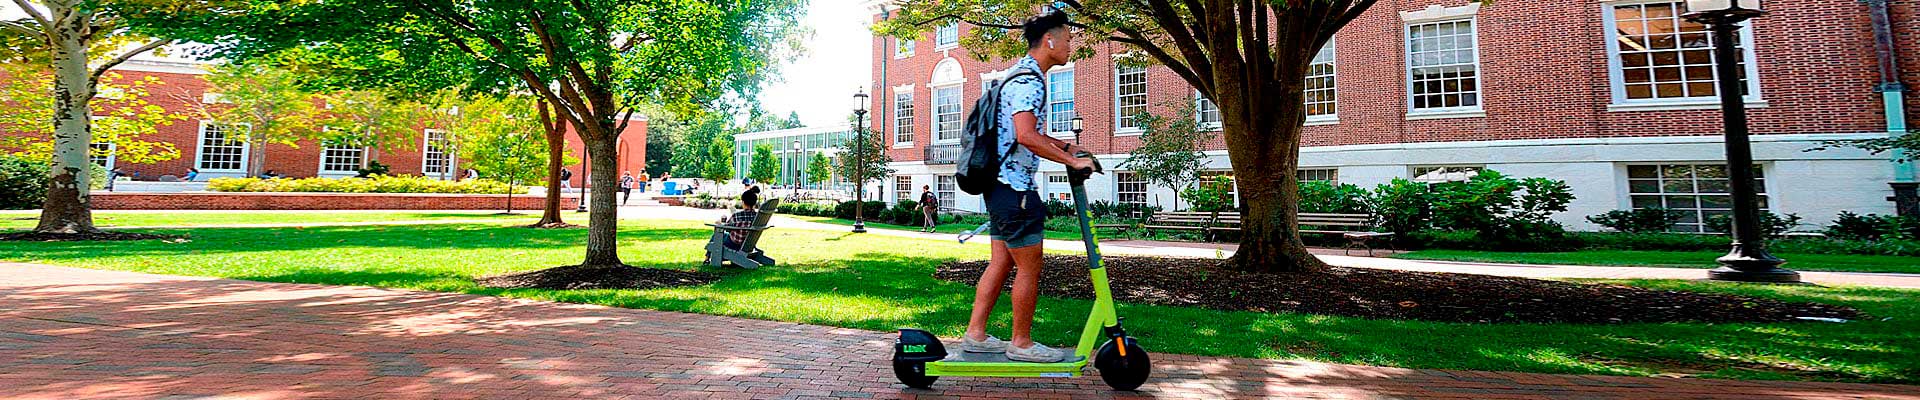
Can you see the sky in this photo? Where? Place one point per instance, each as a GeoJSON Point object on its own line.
{"type": "Point", "coordinates": [819, 84]}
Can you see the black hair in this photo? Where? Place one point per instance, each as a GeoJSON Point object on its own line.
{"type": "Point", "coordinates": [1036, 28]}
{"type": "Point", "coordinates": [751, 197]}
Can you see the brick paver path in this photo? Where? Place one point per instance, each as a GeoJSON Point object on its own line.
{"type": "Point", "coordinates": [78, 333]}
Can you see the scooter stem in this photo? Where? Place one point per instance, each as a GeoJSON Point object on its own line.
{"type": "Point", "coordinates": [1103, 314]}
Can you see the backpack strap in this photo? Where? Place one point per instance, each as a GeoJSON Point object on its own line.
{"type": "Point", "coordinates": [998, 91]}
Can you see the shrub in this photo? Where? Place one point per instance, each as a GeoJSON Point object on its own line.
{"type": "Point", "coordinates": [1642, 220]}
{"type": "Point", "coordinates": [1209, 196]}
{"type": "Point", "coordinates": [1327, 197]}
{"type": "Point", "coordinates": [905, 212]}
{"type": "Point", "coordinates": [845, 209]}
{"type": "Point", "coordinates": [1771, 225]}
{"type": "Point", "coordinates": [1401, 206]}
{"type": "Point", "coordinates": [23, 183]}
{"type": "Point", "coordinates": [1852, 226]}
{"type": "Point", "coordinates": [373, 168]}
{"type": "Point", "coordinates": [1056, 207]}
{"type": "Point", "coordinates": [1106, 209]}
{"type": "Point", "coordinates": [375, 184]}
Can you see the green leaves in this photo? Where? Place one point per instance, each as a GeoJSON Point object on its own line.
{"type": "Point", "coordinates": [764, 168]}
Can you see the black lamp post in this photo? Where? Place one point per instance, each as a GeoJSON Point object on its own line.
{"type": "Point", "coordinates": [860, 173]}
{"type": "Point", "coordinates": [1076, 125]}
{"type": "Point", "coordinates": [1749, 260]}
{"type": "Point", "coordinates": [585, 179]}
{"type": "Point", "coordinates": [793, 164]}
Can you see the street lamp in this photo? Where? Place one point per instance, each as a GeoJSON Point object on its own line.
{"type": "Point", "coordinates": [1076, 125]}
{"type": "Point", "coordinates": [585, 179]}
{"type": "Point", "coordinates": [1749, 260]}
{"type": "Point", "coordinates": [860, 166]}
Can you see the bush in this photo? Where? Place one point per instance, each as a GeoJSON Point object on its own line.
{"type": "Point", "coordinates": [1129, 211]}
{"type": "Point", "coordinates": [1326, 197]}
{"type": "Point", "coordinates": [375, 184]}
{"type": "Point", "coordinates": [1643, 220]}
{"type": "Point", "coordinates": [1056, 207]}
{"type": "Point", "coordinates": [812, 209]}
{"type": "Point", "coordinates": [1401, 206]}
{"type": "Point", "coordinates": [905, 212]}
{"type": "Point", "coordinates": [845, 209]}
{"type": "Point", "coordinates": [1852, 226]}
{"type": "Point", "coordinates": [23, 183]}
{"type": "Point", "coordinates": [1772, 225]}
{"type": "Point", "coordinates": [1209, 196]}
{"type": "Point", "coordinates": [373, 168]}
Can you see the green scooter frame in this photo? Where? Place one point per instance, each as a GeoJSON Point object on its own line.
{"type": "Point", "coordinates": [919, 358]}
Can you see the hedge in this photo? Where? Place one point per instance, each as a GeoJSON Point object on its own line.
{"type": "Point", "coordinates": [373, 184]}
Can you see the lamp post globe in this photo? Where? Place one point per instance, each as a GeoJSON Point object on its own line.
{"type": "Point", "coordinates": [1748, 261]}
{"type": "Point", "coordinates": [860, 101]}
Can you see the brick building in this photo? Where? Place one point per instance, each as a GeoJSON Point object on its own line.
{"type": "Point", "coordinates": [1615, 97]}
{"type": "Point", "coordinates": [202, 145]}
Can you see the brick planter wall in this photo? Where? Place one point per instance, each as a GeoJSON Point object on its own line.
{"type": "Point", "coordinates": [315, 201]}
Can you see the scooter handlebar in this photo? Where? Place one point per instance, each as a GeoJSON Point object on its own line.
{"type": "Point", "coordinates": [1081, 175]}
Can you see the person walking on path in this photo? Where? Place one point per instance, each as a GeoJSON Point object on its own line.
{"type": "Point", "coordinates": [929, 208]}
{"type": "Point", "coordinates": [626, 186]}
{"type": "Point", "coordinates": [566, 178]}
{"type": "Point", "coordinates": [644, 180]}
{"type": "Point", "coordinates": [1018, 215]}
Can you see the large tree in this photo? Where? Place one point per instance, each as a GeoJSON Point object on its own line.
{"type": "Point", "coordinates": [371, 120]}
{"type": "Point", "coordinates": [258, 104]}
{"type": "Point", "coordinates": [1250, 57]}
{"type": "Point", "coordinates": [763, 168]}
{"type": "Point", "coordinates": [593, 61]}
{"type": "Point", "coordinates": [82, 42]}
{"type": "Point", "coordinates": [502, 139]}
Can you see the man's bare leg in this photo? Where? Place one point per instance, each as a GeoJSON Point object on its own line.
{"type": "Point", "coordinates": [1026, 292]}
{"type": "Point", "coordinates": [987, 291]}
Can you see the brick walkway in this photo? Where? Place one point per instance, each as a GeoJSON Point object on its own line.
{"type": "Point", "coordinates": [77, 333]}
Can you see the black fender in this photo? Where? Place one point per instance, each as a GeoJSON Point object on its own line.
{"type": "Point", "coordinates": [917, 345]}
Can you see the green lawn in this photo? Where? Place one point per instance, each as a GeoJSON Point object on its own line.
{"type": "Point", "coordinates": [1676, 259]}
{"type": "Point", "coordinates": [880, 283]}
{"type": "Point", "coordinates": [27, 219]}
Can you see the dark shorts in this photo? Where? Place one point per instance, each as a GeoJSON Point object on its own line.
{"type": "Point", "coordinates": [1018, 218]}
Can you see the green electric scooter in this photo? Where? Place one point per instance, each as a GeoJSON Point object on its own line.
{"type": "Point", "coordinates": [919, 358]}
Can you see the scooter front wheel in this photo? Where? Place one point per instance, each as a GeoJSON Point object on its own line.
{"type": "Point", "coordinates": [1126, 372]}
{"type": "Point", "coordinates": [913, 374]}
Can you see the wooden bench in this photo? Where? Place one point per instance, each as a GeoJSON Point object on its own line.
{"type": "Point", "coordinates": [1355, 228]}
{"type": "Point", "coordinates": [748, 255]}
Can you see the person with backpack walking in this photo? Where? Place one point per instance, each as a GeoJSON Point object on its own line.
{"type": "Point", "coordinates": [929, 208]}
{"type": "Point", "coordinates": [626, 186]}
{"type": "Point", "coordinates": [566, 178]}
{"type": "Point", "coordinates": [1005, 129]}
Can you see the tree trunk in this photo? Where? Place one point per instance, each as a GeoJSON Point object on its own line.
{"type": "Point", "coordinates": [67, 208]}
{"type": "Point", "coordinates": [603, 216]}
{"type": "Point", "coordinates": [556, 142]}
{"type": "Point", "coordinates": [1262, 121]}
{"type": "Point", "coordinates": [256, 158]}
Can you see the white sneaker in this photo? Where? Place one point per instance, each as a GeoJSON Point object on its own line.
{"type": "Point", "coordinates": [1039, 353]}
{"type": "Point", "coordinates": [991, 345]}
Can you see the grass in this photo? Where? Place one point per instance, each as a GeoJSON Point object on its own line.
{"type": "Point", "coordinates": [27, 219]}
{"type": "Point", "coordinates": [950, 228]}
{"type": "Point", "coordinates": [880, 283]}
{"type": "Point", "coordinates": [1672, 259]}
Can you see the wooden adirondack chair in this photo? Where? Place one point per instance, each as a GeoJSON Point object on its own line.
{"type": "Point", "coordinates": [748, 255]}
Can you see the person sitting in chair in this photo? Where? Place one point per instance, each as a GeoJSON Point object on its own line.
{"type": "Point", "coordinates": [749, 210]}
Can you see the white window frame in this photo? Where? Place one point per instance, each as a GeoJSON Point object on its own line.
{"type": "Point", "coordinates": [900, 194]}
{"type": "Point", "coordinates": [903, 48]}
{"type": "Point", "coordinates": [1119, 182]}
{"type": "Point", "coordinates": [1120, 118]}
{"type": "Point", "coordinates": [360, 157]}
{"type": "Point", "coordinates": [903, 125]}
{"type": "Point", "coordinates": [958, 114]}
{"type": "Point", "coordinates": [1767, 201]}
{"type": "Point", "coordinates": [1479, 76]}
{"type": "Point", "coordinates": [426, 154]}
{"type": "Point", "coordinates": [946, 37]}
{"type": "Point", "coordinates": [1616, 76]}
{"type": "Point", "coordinates": [112, 149]}
{"type": "Point", "coordinates": [1413, 172]}
{"type": "Point", "coordinates": [1333, 174]}
{"type": "Point", "coordinates": [1333, 76]}
{"type": "Point", "coordinates": [200, 148]}
{"type": "Point", "coordinates": [1056, 118]}
{"type": "Point", "coordinates": [1058, 187]}
{"type": "Point", "coordinates": [944, 188]}
{"type": "Point", "coordinates": [1201, 107]}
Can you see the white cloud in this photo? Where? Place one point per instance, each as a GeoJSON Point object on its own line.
{"type": "Point", "coordinates": [820, 84]}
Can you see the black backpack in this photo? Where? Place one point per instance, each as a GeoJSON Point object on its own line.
{"type": "Point", "coordinates": [978, 168]}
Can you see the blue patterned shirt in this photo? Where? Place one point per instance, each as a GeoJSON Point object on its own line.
{"type": "Point", "coordinates": [1024, 94]}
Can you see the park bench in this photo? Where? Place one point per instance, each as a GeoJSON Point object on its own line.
{"type": "Point", "coordinates": [1352, 227]}
{"type": "Point", "coordinates": [748, 255]}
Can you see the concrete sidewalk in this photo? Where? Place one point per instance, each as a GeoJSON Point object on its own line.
{"type": "Point", "coordinates": [79, 333]}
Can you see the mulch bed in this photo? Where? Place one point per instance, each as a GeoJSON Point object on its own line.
{"type": "Point", "coordinates": [575, 277]}
{"type": "Point", "coordinates": [1390, 294]}
{"type": "Point", "coordinates": [31, 236]}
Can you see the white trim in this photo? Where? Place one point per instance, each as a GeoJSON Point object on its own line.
{"type": "Point", "coordinates": [1435, 13]}
{"type": "Point", "coordinates": [1318, 120]}
{"type": "Point", "coordinates": [113, 153]}
{"type": "Point", "coordinates": [426, 142]}
{"type": "Point", "coordinates": [937, 46]}
{"type": "Point", "coordinates": [160, 66]}
{"type": "Point", "coordinates": [1616, 80]}
{"type": "Point", "coordinates": [960, 113]}
{"type": "Point", "coordinates": [1690, 104]}
{"type": "Point", "coordinates": [898, 53]}
{"type": "Point", "coordinates": [1146, 93]}
{"type": "Point", "coordinates": [903, 88]}
{"type": "Point", "coordinates": [959, 73]}
{"type": "Point", "coordinates": [1046, 83]}
{"type": "Point", "coordinates": [1653, 140]}
{"type": "Point", "coordinates": [893, 115]}
{"type": "Point", "coordinates": [1475, 112]}
{"type": "Point", "coordinates": [200, 154]}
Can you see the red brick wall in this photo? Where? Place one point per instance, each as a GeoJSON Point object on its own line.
{"type": "Point", "coordinates": [1544, 75]}
{"type": "Point", "coordinates": [313, 201]}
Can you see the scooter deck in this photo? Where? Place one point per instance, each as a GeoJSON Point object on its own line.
{"type": "Point", "coordinates": [997, 364]}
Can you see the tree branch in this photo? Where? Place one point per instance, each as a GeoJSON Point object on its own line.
{"type": "Point", "coordinates": [1179, 68]}
{"type": "Point", "coordinates": [948, 16]}
{"type": "Point", "coordinates": [46, 25]}
{"type": "Point", "coordinates": [1169, 20]}
{"type": "Point", "coordinates": [23, 29]}
{"type": "Point", "coordinates": [117, 60]}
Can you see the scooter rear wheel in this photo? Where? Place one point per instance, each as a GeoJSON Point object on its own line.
{"type": "Point", "coordinates": [1123, 372]}
{"type": "Point", "coordinates": [913, 374]}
